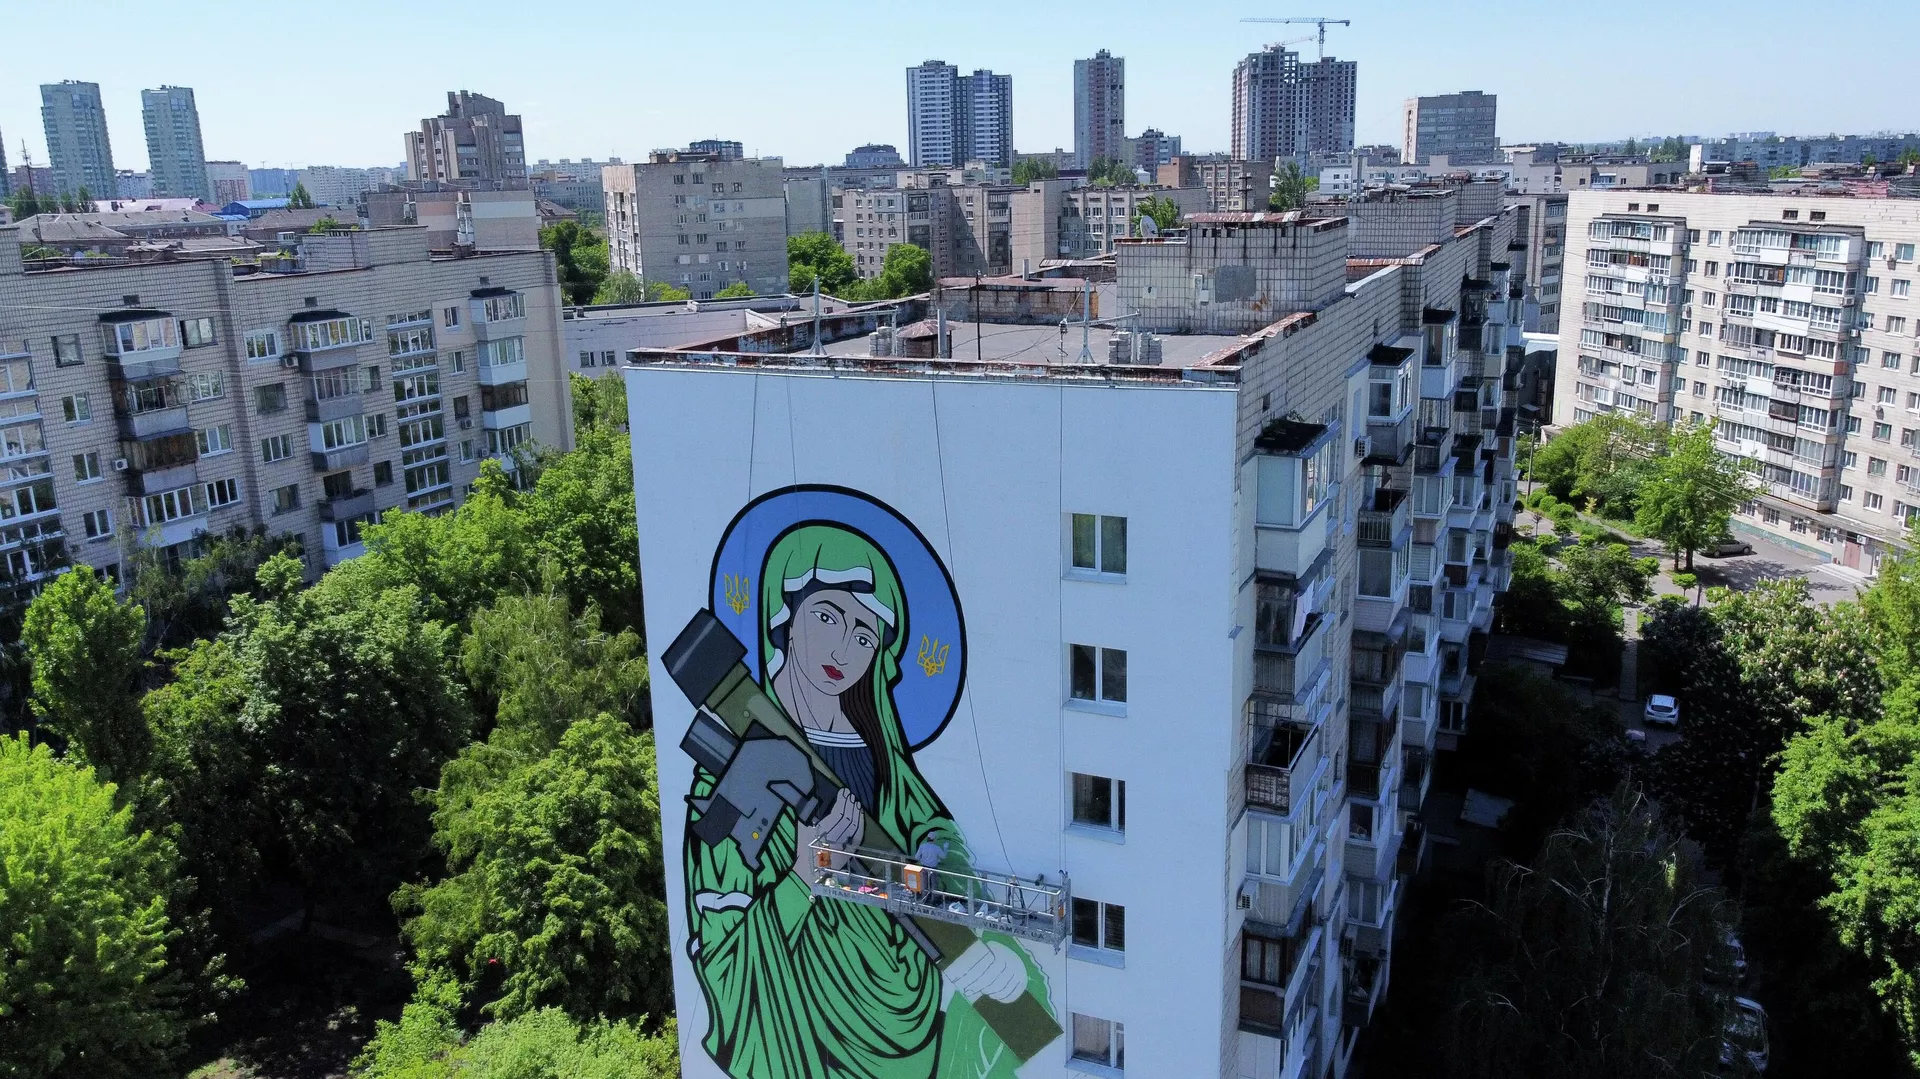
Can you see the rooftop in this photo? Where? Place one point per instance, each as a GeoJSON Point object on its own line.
{"type": "Point", "coordinates": [1046, 345]}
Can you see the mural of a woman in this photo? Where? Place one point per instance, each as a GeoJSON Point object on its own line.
{"type": "Point", "coordinates": [799, 988]}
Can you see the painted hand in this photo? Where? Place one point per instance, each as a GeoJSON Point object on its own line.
{"type": "Point", "coordinates": [988, 969]}
{"type": "Point", "coordinates": [842, 828]}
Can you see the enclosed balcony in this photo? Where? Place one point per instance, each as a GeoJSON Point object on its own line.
{"type": "Point", "coordinates": [141, 344]}
{"type": "Point", "coordinates": [1282, 756]}
{"type": "Point", "coordinates": [1275, 974]}
{"type": "Point", "coordinates": [1293, 675]}
{"type": "Point", "coordinates": [327, 340]}
{"type": "Point", "coordinates": [155, 408]}
{"type": "Point", "coordinates": [498, 313]}
{"type": "Point", "coordinates": [1292, 474]}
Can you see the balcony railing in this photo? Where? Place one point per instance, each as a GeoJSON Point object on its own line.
{"type": "Point", "coordinates": [1386, 517]}
{"type": "Point", "coordinates": [1278, 752]}
{"type": "Point", "coordinates": [1035, 909]}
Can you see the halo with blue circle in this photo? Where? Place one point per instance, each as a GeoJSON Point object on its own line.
{"type": "Point", "coordinates": [925, 696]}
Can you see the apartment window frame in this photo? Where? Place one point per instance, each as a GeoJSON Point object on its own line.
{"type": "Point", "coordinates": [276, 448]}
{"type": "Point", "coordinates": [86, 468]}
{"type": "Point", "coordinates": [1098, 931]}
{"type": "Point", "coordinates": [67, 351]}
{"type": "Point", "coordinates": [76, 408]}
{"type": "Point", "coordinates": [97, 524]}
{"type": "Point", "coordinates": [1097, 678]}
{"type": "Point", "coordinates": [1097, 546]}
{"type": "Point", "coordinates": [1100, 1043]}
{"type": "Point", "coordinates": [1097, 804]}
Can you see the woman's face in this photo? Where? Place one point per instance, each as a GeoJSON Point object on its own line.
{"type": "Point", "coordinates": [832, 641]}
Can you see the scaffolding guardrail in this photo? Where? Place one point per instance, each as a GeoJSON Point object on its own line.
{"type": "Point", "coordinates": [1031, 909]}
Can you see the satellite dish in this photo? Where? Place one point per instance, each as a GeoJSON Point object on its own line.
{"type": "Point", "coordinates": [1148, 226]}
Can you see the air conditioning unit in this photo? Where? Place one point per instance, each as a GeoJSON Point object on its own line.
{"type": "Point", "coordinates": [1244, 901]}
{"type": "Point", "coordinates": [1362, 446]}
{"type": "Point", "coordinates": [119, 464]}
{"type": "Point", "coordinates": [290, 362]}
{"type": "Point", "coordinates": [466, 423]}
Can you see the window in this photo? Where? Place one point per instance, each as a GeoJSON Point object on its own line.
{"type": "Point", "coordinates": [145, 335]}
{"type": "Point", "coordinates": [1895, 324]}
{"type": "Point", "coordinates": [1099, 1041]}
{"type": "Point", "coordinates": [1099, 925]}
{"type": "Point", "coordinates": [1903, 252]}
{"type": "Point", "coordinates": [382, 473]}
{"type": "Point", "coordinates": [507, 350]}
{"type": "Point", "coordinates": [285, 499]}
{"type": "Point", "coordinates": [196, 332]}
{"type": "Point", "coordinates": [504, 440]}
{"type": "Point", "coordinates": [1887, 395]}
{"type": "Point", "coordinates": [206, 386]}
{"type": "Point", "coordinates": [501, 308]}
{"type": "Point", "coordinates": [1902, 288]}
{"type": "Point", "coordinates": [410, 341]}
{"type": "Point", "coordinates": [76, 408]}
{"type": "Point", "coordinates": [1100, 543]}
{"type": "Point", "coordinates": [586, 359]}
{"type": "Point", "coordinates": [1713, 237]}
{"type": "Point", "coordinates": [1890, 360]}
{"type": "Point", "coordinates": [223, 493]}
{"type": "Point", "coordinates": [98, 523]}
{"type": "Point", "coordinates": [466, 449]}
{"type": "Point", "coordinates": [216, 440]}
{"type": "Point", "coordinates": [66, 350]}
{"type": "Point", "coordinates": [1876, 467]}
{"type": "Point", "coordinates": [450, 317]}
{"type": "Point", "coordinates": [606, 359]}
{"type": "Point", "coordinates": [331, 333]}
{"type": "Point", "coordinates": [341, 434]}
{"type": "Point", "coordinates": [86, 467]}
{"type": "Point", "coordinates": [171, 505]}
{"type": "Point", "coordinates": [376, 425]}
{"type": "Point", "coordinates": [1883, 432]}
{"type": "Point", "coordinates": [277, 448]}
{"type": "Point", "coordinates": [271, 398]}
{"type": "Point", "coordinates": [457, 360]}
{"type": "Point", "coordinates": [413, 387]}
{"type": "Point", "coordinates": [1100, 802]}
{"type": "Point", "coordinates": [1849, 459]}
{"type": "Point", "coordinates": [504, 396]}
{"type": "Point", "coordinates": [1098, 674]}
{"type": "Point", "coordinates": [1871, 501]}
{"type": "Point", "coordinates": [263, 345]}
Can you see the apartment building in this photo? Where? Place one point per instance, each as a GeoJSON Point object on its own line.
{"type": "Point", "coordinates": [77, 143]}
{"type": "Point", "coordinates": [699, 222]}
{"type": "Point", "coordinates": [1099, 108]}
{"type": "Point", "coordinates": [475, 139]}
{"type": "Point", "coordinates": [1230, 183]}
{"type": "Point", "coordinates": [954, 118]}
{"type": "Point", "coordinates": [1284, 106]}
{"type": "Point", "coordinates": [964, 228]}
{"type": "Point", "coordinates": [874, 155]}
{"type": "Point", "coordinates": [1783, 318]}
{"type": "Point", "coordinates": [1543, 219]}
{"type": "Point", "coordinates": [1460, 126]}
{"type": "Point", "coordinates": [1099, 216]}
{"type": "Point", "coordinates": [306, 394]}
{"type": "Point", "coordinates": [175, 156]}
{"type": "Point", "coordinates": [229, 182]}
{"type": "Point", "coordinates": [1153, 148]}
{"type": "Point", "coordinates": [1170, 644]}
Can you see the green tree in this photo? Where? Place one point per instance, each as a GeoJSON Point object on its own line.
{"type": "Point", "coordinates": [1687, 498]}
{"type": "Point", "coordinates": [739, 290]}
{"type": "Point", "coordinates": [1290, 188]}
{"type": "Point", "coordinates": [426, 1043]}
{"type": "Point", "coordinates": [580, 256]}
{"type": "Point", "coordinates": [620, 286]}
{"type": "Point", "coordinates": [1110, 172]}
{"type": "Point", "coordinates": [908, 270]}
{"type": "Point", "coordinates": [1604, 459]}
{"type": "Point", "coordinates": [1600, 577]}
{"type": "Point", "coordinates": [300, 199]}
{"type": "Point", "coordinates": [459, 561]}
{"type": "Point", "coordinates": [1594, 962]}
{"type": "Point", "coordinates": [187, 600]}
{"type": "Point", "coordinates": [324, 225]}
{"type": "Point", "coordinates": [1164, 211]}
{"type": "Point", "coordinates": [813, 255]}
{"type": "Point", "coordinates": [580, 516]}
{"type": "Point", "coordinates": [1909, 157]}
{"type": "Point", "coordinates": [1784, 172]}
{"type": "Point", "coordinates": [350, 707]}
{"type": "Point", "coordinates": [1632, 147]}
{"type": "Point", "coordinates": [84, 987]}
{"type": "Point", "coordinates": [84, 646]}
{"type": "Point", "coordinates": [661, 292]}
{"type": "Point", "coordinates": [1027, 170]}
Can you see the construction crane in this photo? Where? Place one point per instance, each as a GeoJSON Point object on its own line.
{"type": "Point", "coordinates": [1323, 23]}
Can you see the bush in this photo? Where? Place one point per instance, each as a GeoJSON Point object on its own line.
{"type": "Point", "coordinates": [1686, 581]}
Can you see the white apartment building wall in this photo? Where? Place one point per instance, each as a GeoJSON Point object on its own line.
{"type": "Point", "coordinates": [229, 181]}
{"type": "Point", "coordinates": [1314, 522]}
{"type": "Point", "coordinates": [232, 418]}
{"type": "Point", "coordinates": [698, 223]}
{"type": "Point", "coordinates": [1842, 348]}
{"type": "Point", "coordinates": [1459, 126]}
{"type": "Point", "coordinates": [336, 185]}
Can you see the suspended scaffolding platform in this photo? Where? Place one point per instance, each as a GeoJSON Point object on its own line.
{"type": "Point", "coordinates": [1031, 909]}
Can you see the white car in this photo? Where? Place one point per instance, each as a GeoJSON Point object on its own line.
{"type": "Point", "coordinates": [1663, 711]}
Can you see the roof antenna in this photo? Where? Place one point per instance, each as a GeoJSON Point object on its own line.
{"type": "Point", "coordinates": [818, 351]}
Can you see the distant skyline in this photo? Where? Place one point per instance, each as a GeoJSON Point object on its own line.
{"type": "Point", "coordinates": [602, 81]}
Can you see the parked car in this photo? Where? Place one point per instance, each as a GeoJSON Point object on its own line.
{"type": "Point", "coordinates": [1726, 546]}
{"type": "Point", "coordinates": [1746, 1034]}
{"type": "Point", "coordinates": [1662, 710]}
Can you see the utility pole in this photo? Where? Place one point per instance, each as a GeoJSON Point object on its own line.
{"type": "Point", "coordinates": [976, 318]}
{"type": "Point", "coordinates": [818, 349]}
{"type": "Point", "coordinates": [1086, 324]}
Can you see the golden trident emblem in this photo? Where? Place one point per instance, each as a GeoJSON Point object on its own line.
{"type": "Point", "coordinates": [933, 656]}
{"type": "Point", "coordinates": [738, 592]}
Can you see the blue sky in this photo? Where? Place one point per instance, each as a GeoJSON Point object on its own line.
{"type": "Point", "coordinates": [338, 83]}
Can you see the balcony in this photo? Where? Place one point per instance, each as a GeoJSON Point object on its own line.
{"type": "Point", "coordinates": [1293, 551]}
{"type": "Point", "coordinates": [1280, 752]}
{"type": "Point", "coordinates": [1292, 677]}
{"type": "Point", "coordinates": [154, 423]}
{"type": "Point", "coordinates": [1385, 518]}
{"type": "Point", "coordinates": [1391, 440]}
{"type": "Point", "coordinates": [326, 410]}
{"type": "Point", "coordinates": [1416, 770]}
{"type": "Point", "coordinates": [143, 365]}
{"type": "Point", "coordinates": [1370, 909]}
{"type": "Point", "coordinates": [500, 419]}
{"type": "Point", "coordinates": [1372, 857]}
{"type": "Point", "coordinates": [1438, 380]}
{"type": "Point", "coordinates": [500, 374]}
{"type": "Point", "coordinates": [484, 330]}
{"type": "Point", "coordinates": [344, 457]}
{"type": "Point", "coordinates": [347, 507]}
{"type": "Point", "coordinates": [152, 481]}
